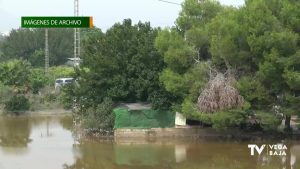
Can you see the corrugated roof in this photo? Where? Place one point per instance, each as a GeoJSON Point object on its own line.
{"type": "Point", "coordinates": [136, 106]}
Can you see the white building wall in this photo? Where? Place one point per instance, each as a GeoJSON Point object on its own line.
{"type": "Point", "coordinates": [180, 120]}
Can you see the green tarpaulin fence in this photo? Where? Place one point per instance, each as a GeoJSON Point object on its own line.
{"type": "Point", "coordinates": [147, 118]}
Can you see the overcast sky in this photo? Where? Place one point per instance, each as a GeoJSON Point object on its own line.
{"type": "Point", "coordinates": [105, 12]}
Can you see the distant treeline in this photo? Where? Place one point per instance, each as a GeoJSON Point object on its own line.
{"type": "Point", "coordinates": [29, 44]}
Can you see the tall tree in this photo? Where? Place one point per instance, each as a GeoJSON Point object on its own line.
{"type": "Point", "coordinates": [122, 64]}
{"type": "Point", "coordinates": [186, 52]}
{"type": "Point", "coordinates": [258, 43]}
{"type": "Point", "coordinates": [274, 43]}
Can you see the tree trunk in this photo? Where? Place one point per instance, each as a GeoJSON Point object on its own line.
{"type": "Point", "coordinates": [288, 122]}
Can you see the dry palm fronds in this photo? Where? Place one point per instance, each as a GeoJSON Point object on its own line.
{"type": "Point", "coordinates": [219, 94]}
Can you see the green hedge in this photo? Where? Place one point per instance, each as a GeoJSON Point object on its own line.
{"type": "Point", "coordinates": [143, 118]}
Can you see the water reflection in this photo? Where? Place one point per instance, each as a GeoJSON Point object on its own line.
{"type": "Point", "coordinates": [33, 142]}
{"type": "Point", "coordinates": [92, 155]}
{"type": "Point", "coordinates": [281, 162]}
{"type": "Point", "coordinates": [14, 132]}
{"type": "Point", "coordinates": [66, 122]}
{"type": "Point", "coordinates": [192, 155]}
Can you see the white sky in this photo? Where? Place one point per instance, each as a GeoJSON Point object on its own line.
{"type": "Point", "coordinates": [104, 12]}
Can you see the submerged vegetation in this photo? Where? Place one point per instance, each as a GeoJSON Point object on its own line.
{"type": "Point", "coordinates": [223, 66]}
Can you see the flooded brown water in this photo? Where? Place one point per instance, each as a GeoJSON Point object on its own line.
{"type": "Point", "coordinates": [49, 143]}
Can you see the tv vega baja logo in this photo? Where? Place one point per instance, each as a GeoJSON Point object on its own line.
{"type": "Point", "coordinates": [271, 149]}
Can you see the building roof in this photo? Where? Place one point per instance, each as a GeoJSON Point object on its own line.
{"type": "Point", "coordinates": [136, 106]}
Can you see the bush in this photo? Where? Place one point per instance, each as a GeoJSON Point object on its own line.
{"type": "Point", "coordinates": [100, 118]}
{"type": "Point", "coordinates": [38, 80]}
{"type": "Point", "coordinates": [189, 109]}
{"type": "Point", "coordinates": [5, 93]}
{"type": "Point", "coordinates": [268, 121]}
{"type": "Point", "coordinates": [17, 104]}
{"type": "Point", "coordinates": [15, 73]}
{"type": "Point", "coordinates": [67, 96]}
{"type": "Point", "coordinates": [229, 119]}
{"type": "Point", "coordinates": [59, 72]}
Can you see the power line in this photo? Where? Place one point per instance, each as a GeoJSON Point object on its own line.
{"type": "Point", "coordinates": [174, 3]}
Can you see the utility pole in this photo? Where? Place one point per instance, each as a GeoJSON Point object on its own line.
{"type": "Point", "coordinates": [46, 52]}
{"type": "Point", "coordinates": [76, 36]}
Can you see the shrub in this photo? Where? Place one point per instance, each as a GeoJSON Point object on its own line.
{"type": "Point", "coordinates": [229, 118]}
{"type": "Point", "coordinates": [268, 121]}
{"type": "Point", "coordinates": [17, 104]}
{"type": "Point", "coordinates": [15, 73]}
{"type": "Point", "coordinates": [190, 110]}
{"type": "Point", "coordinates": [38, 80]}
{"type": "Point", "coordinates": [5, 93]}
{"type": "Point", "coordinates": [100, 118]}
{"type": "Point", "coordinates": [67, 96]}
{"type": "Point", "coordinates": [59, 72]}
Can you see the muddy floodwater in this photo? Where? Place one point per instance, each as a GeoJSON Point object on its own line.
{"type": "Point", "coordinates": [49, 143]}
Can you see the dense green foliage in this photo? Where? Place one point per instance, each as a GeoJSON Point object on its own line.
{"type": "Point", "coordinates": [17, 104]}
{"type": "Point", "coordinates": [20, 74]}
{"type": "Point", "coordinates": [14, 82]}
{"type": "Point", "coordinates": [15, 73]}
{"type": "Point", "coordinates": [29, 44]}
{"type": "Point", "coordinates": [123, 65]}
{"type": "Point", "coordinates": [23, 87]}
{"type": "Point", "coordinates": [258, 42]}
{"type": "Point", "coordinates": [185, 52]}
{"type": "Point", "coordinates": [101, 118]}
